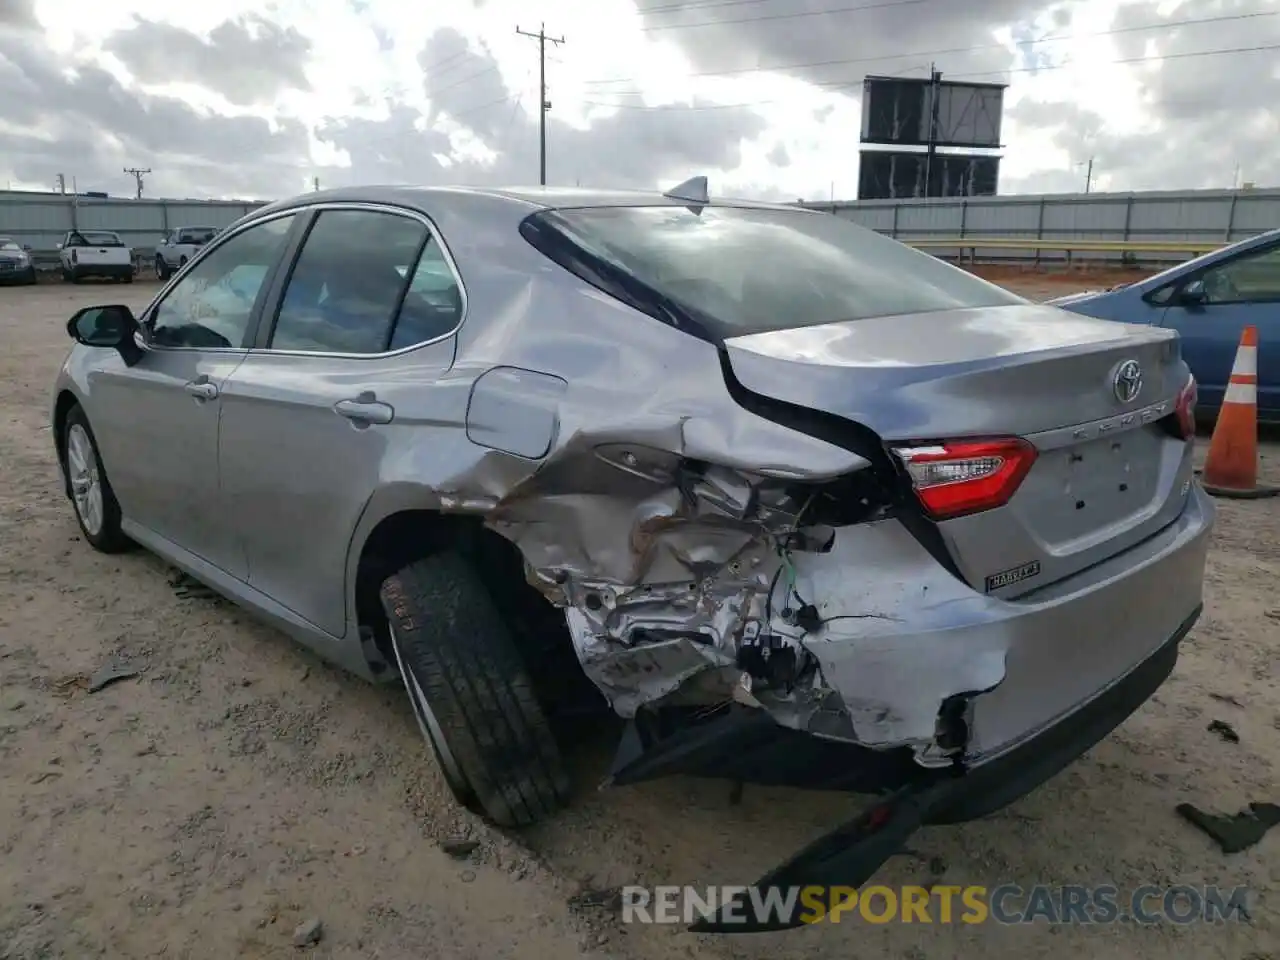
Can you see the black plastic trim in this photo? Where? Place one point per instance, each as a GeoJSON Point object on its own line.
{"type": "Point", "coordinates": [540, 231]}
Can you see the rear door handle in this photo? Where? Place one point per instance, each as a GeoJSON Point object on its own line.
{"type": "Point", "coordinates": [365, 409]}
{"type": "Point", "coordinates": [201, 388]}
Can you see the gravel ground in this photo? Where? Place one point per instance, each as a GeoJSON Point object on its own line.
{"type": "Point", "coordinates": [238, 787]}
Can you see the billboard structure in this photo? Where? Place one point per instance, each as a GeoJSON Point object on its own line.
{"type": "Point", "coordinates": [898, 175]}
{"type": "Point", "coordinates": [912, 113]}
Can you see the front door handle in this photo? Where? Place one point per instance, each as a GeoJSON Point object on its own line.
{"type": "Point", "coordinates": [364, 410]}
{"type": "Point", "coordinates": [201, 388]}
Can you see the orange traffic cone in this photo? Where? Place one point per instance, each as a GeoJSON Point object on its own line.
{"type": "Point", "coordinates": [1231, 467]}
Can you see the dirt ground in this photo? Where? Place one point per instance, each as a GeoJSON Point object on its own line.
{"type": "Point", "coordinates": [239, 787]}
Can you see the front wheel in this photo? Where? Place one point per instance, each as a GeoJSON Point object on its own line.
{"type": "Point", "coordinates": [97, 510]}
{"type": "Point", "coordinates": [471, 694]}
{"type": "Point", "coordinates": [162, 269]}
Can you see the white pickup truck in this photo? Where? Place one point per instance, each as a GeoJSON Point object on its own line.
{"type": "Point", "coordinates": [179, 247]}
{"type": "Point", "coordinates": [95, 253]}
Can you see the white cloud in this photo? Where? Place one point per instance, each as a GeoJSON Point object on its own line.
{"type": "Point", "coordinates": [356, 90]}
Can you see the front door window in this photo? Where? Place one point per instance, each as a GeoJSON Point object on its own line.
{"type": "Point", "coordinates": [212, 305]}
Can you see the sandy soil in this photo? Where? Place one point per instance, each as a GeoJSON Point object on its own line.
{"type": "Point", "coordinates": [239, 787]}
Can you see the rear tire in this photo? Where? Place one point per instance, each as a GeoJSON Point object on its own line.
{"type": "Point", "coordinates": [95, 504]}
{"type": "Point", "coordinates": [471, 694]}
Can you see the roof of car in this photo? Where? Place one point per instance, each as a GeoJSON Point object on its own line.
{"type": "Point", "coordinates": [532, 197]}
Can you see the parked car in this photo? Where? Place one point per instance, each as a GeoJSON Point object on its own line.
{"type": "Point", "coordinates": [804, 505]}
{"type": "Point", "coordinates": [95, 253]}
{"type": "Point", "coordinates": [1209, 301]}
{"type": "Point", "coordinates": [15, 262]}
{"type": "Point", "coordinates": [179, 246]}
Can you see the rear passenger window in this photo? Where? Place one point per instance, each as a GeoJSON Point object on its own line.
{"type": "Point", "coordinates": [359, 287]}
{"type": "Point", "coordinates": [433, 304]}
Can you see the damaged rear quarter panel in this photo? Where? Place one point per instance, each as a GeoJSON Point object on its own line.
{"type": "Point", "coordinates": [565, 422]}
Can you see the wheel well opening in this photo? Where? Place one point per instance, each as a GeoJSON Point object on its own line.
{"type": "Point", "coordinates": [61, 409]}
{"type": "Point", "coordinates": [537, 627]}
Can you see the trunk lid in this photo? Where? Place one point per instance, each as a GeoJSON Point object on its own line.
{"type": "Point", "coordinates": [1107, 473]}
{"type": "Point", "coordinates": [100, 256]}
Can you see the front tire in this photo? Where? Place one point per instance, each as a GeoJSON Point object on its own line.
{"type": "Point", "coordinates": [162, 269]}
{"type": "Point", "coordinates": [97, 510]}
{"type": "Point", "coordinates": [471, 694]}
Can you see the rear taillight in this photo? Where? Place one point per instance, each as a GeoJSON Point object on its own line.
{"type": "Point", "coordinates": [1185, 410]}
{"type": "Point", "coordinates": [954, 478]}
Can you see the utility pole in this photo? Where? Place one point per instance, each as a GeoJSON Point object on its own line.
{"type": "Point", "coordinates": [543, 103]}
{"type": "Point", "coordinates": [1088, 176]}
{"type": "Point", "coordinates": [62, 184]}
{"type": "Point", "coordinates": [137, 174]}
{"type": "Point", "coordinates": [935, 84]}
{"type": "Point", "coordinates": [315, 183]}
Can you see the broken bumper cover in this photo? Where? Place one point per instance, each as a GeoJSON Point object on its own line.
{"type": "Point", "coordinates": [917, 638]}
{"type": "Point", "coordinates": [851, 854]}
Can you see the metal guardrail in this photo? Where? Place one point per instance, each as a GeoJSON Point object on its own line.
{"type": "Point", "coordinates": [973, 244]}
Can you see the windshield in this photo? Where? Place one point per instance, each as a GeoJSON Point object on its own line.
{"type": "Point", "coordinates": [95, 238]}
{"type": "Point", "coordinates": [196, 235]}
{"type": "Point", "coordinates": [748, 270]}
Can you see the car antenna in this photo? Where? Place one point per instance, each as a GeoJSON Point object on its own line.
{"type": "Point", "coordinates": [693, 190]}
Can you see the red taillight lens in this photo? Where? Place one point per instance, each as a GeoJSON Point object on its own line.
{"type": "Point", "coordinates": [1185, 410]}
{"type": "Point", "coordinates": [959, 477]}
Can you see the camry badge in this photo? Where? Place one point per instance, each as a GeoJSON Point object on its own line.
{"type": "Point", "coordinates": [1127, 381]}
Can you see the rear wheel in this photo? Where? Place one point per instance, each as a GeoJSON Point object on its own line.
{"type": "Point", "coordinates": [97, 510]}
{"type": "Point", "coordinates": [182, 262]}
{"type": "Point", "coordinates": [471, 694]}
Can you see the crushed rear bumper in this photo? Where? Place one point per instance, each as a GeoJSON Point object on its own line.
{"type": "Point", "coordinates": [851, 854]}
{"type": "Point", "coordinates": [921, 650]}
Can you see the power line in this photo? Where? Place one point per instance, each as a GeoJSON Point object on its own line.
{"type": "Point", "coordinates": [448, 62]}
{"type": "Point", "coordinates": [681, 7]}
{"type": "Point", "coordinates": [493, 68]}
{"type": "Point", "coordinates": [839, 84]}
{"type": "Point", "coordinates": [543, 103]}
{"type": "Point", "coordinates": [881, 5]}
{"type": "Point", "coordinates": [813, 64]}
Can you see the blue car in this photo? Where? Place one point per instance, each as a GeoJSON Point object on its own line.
{"type": "Point", "coordinates": [1209, 301]}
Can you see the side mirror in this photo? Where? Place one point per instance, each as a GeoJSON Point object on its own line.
{"type": "Point", "coordinates": [59, 245]}
{"type": "Point", "coordinates": [111, 326]}
{"type": "Point", "coordinates": [1194, 293]}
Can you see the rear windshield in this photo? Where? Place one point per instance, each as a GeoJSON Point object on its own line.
{"type": "Point", "coordinates": [95, 238]}
{"type": "Point", "coordinates": [745, 270]}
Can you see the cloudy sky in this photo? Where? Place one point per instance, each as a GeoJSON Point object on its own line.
{"type": "Point", "coordinates": [245, 98]}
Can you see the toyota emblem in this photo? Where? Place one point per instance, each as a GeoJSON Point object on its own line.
{"type": "Point", "coordinates": [1127, 382]}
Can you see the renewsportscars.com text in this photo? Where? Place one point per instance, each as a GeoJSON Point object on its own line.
{"type": "Point", "coordinates": [1003, 904]}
